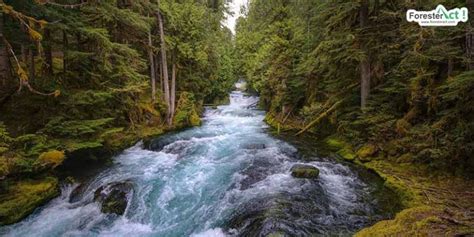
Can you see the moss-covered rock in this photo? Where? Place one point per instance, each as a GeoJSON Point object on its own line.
{"type": "Point", "coordinates": [53, 158]}
{"type": "Point", "coordinates": [23, 197]}
{"type": "Point", "coordinates": [304, 171]}
{"type": "Point", "coordinates": [114, 197]}
{"type": "Point", "coordinates": [366, 151]}
{"type": "Point", "coordinates": [341, 148]}
{"type": "Point", "coordinates": [416, 221]}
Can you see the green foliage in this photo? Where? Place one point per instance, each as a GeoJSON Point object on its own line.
{"type": "Point", "coordinates": [186, 111]}
{"type": "Point", "coordinates": [75, 128]}
{"type": "Point", "coordinates": [5, 138]}
{"type": "Point", "coordinates": [301, 55]}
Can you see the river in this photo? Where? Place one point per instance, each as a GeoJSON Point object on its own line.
{"type": "Point", "coordinates": [228, 177]}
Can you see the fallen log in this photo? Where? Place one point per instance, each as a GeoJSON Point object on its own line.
{"type": "Point", "coordinates": [320, 117]}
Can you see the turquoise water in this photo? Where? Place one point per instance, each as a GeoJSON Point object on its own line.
{"type": "Point", "coordinates": [229, 177]}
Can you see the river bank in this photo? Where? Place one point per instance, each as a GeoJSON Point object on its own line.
{"type": "Point", "coordinates": [434, 203]}
{"type": "Point", "coordinates": [25, 191]}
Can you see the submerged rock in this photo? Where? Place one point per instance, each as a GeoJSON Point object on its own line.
{"type": "Point", "coordinates": [304, 171]}
{"type": "Point", "coordinates": [113, 197]}
{"type": "Point", "coordinates": [77, 193]}
{"type": "Point", "coordinates": [254, 146]}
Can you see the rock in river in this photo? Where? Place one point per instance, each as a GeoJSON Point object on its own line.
{"type": "Point", "coordinates": [114, 197]}
{"type": "Point", "coordinates": [304, 171]}
{"type": "Point", "coordinates": [257, 146]}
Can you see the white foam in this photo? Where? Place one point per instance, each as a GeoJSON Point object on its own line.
{"type": "Point", "coordinates": [217, 232]}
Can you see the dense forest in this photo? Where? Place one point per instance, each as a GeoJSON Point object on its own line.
{"type": "Point", "coordinates": [379, 89]}
{"type": "Point", "coordinates": [88, 79]}
{"type": "Point", "coordinates": [80, 81]}
{"type": "Point", "coordinates": [361, 70]}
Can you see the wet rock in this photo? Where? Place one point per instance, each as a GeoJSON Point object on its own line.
{"type": "Point", "coordinates": [304, 171]}
{"type": "Point", "coordinates": [113, 197]}
{"type": "Point", "coordinates": [257, 146]}
{"type": "Point", "coordinates": [158, 144]}
{"type": "Point", "coordinates": [77, 193]}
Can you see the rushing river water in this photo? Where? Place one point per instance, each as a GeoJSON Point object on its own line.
{"type": "Point", "coordinates": [229, 177]}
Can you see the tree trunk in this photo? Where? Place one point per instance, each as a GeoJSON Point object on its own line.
{"type": "Point", "coordinates": [31, 68]}
{"type": "Point", "coordinates": [5, 70]}
{"type": "Point", "coordinates": [48, 54]}
{"type": "Point", "coordinates": [470, 35]}
{"type": "Point", "coordinates": [450, 67]}
{"type": "Point", "coordinates": [364, 63]}
{"type": "Point", "coordinates": [159, 73]}
{"type": "Point", "coordinates": [152, 68]}
{"type": "Point", "coordinates": [164, 62]}
{"type": "Point", "coordinates": [65, 46]}
{"type": "Point", "coordinates": [173, 89]}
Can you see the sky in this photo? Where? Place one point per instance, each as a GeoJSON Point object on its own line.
{"type": "Point", "coordinates": [234, 7]}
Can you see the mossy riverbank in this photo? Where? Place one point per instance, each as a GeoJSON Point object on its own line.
{"type": "Point", "coordinates": [434, 203]}
{"type": "Point", "coordinates": [22, 191]}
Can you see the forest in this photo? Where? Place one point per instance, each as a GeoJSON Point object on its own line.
{"type": "Point", "coordinates": [83, 80]}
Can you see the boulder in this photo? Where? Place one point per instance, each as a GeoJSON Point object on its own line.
{"type": "Point", "coordinates": [113, 197]}
{"type": "Point", "coordinates": [304, 171]}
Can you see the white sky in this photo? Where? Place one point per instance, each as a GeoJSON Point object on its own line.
{"type": "Point", "coordinates": [234, 6]}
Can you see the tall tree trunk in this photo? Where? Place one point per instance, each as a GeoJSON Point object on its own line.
{"type": "Point", "coordinates": [159, 73]}
{"type": "Point", "coordinates": [470, 35]}
{"type": "Point", "coordinates": [173, 89]}
{"type": "Point", "coordinates": [364, 63]}
{"type": "Point", "coordinates": [5, 70]}
{"type": "Point", "coordinates": [31, 68]}
{"type": "Point", "coordinates": [48, 54]}
{"type": "Point", "coordinates": [152, 68]}
{"type": "Point", "coordinates": [164, 65]}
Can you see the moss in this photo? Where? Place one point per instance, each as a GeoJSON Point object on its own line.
{"type": "Point", "coordinates": [53, 158]}
{"type": "Point", "coordinates": [273, 121]}
{"type": "Point", "coordinates": [405, 158]}
{"type": "Point", "coordinates": [347, 154]}
{"type": "Point", "coordinates": [186, 111]}
{"type": "Point", "coordinates": [409, 197]}
{"type": "Point", "coordinates": [416, 221]}
{"type": "Point", "coordinates": [194, 120]}
{"type": "Point", "coordinates": [304, 171]}
{"type": "Point", "coordinates": [366, 151]}
{"type": "Point", "coordinates": [23, 197]}
{"type": "Point", "coordinates": [3, 167]}
{"type": "Point", "coordinates": [341, 148]}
